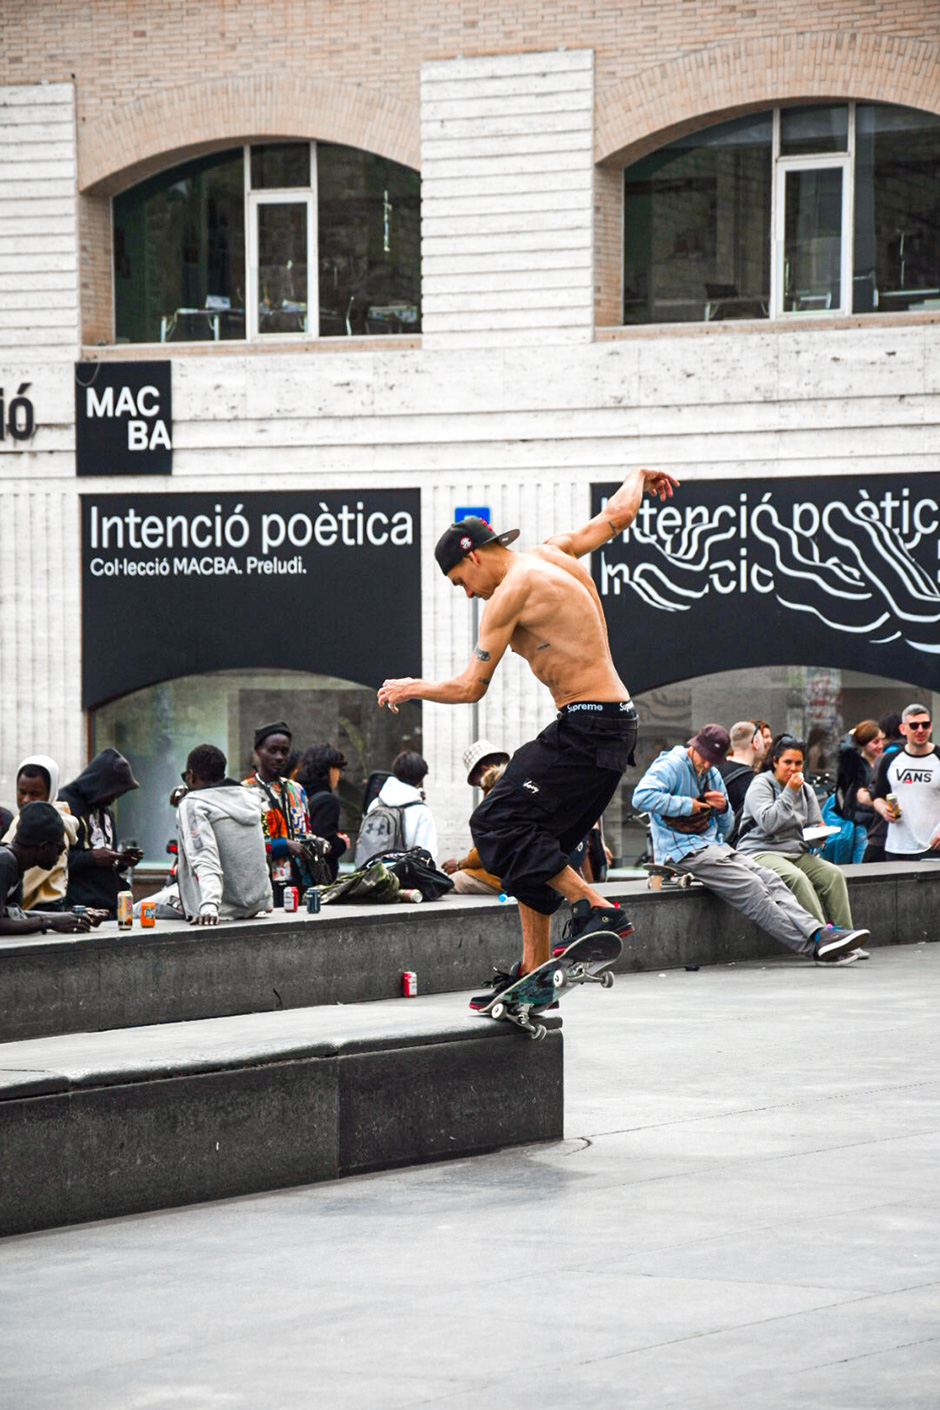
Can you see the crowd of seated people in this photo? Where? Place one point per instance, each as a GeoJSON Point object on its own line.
{"type": "Point", "coordinates": [240, 844]}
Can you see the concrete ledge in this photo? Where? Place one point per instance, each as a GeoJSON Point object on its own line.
{"type": "Point", "coordinates": [121, 1122]}
{"type": "Point", "coordinates": [354, 954]}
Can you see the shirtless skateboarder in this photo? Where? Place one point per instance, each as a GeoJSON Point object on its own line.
{"type": "Point", "coordinates": [544, 606]}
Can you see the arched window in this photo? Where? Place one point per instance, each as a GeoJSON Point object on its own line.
{"type": "Point", "coordinates": [279, 241]}
{"type": "Point", "coordinates": [825, 209]}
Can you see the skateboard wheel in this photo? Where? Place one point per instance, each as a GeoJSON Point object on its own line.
{"type": "Point", "coordinates": [538, 1033]}
{"type": "Point", "coordinates": [497, 1010]}
{"type": "Point", "coordinates": [558, 979]}
{"type": "Point", "coordinates": [607, 979]}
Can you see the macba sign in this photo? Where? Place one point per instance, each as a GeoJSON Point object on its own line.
{"type": "Point", "coordinates": [182, 584]}
{"type": "Point", "coordinates": [788, 572]}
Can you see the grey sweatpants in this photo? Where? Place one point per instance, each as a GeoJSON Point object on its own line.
{"type": "Point", "coordinates": [757, 891]}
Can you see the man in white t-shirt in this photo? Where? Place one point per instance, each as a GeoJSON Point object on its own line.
{"type": "Point", "coordinates": [912, 775]}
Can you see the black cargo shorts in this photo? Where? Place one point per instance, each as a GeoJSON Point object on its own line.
{"type": "Point", "coordinates": [551, 795]}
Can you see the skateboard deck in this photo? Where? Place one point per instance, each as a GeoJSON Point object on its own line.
{"type": "Point", "coordinates": [585, 961]}
{"type": "Point", "coordinates": [663, 877]}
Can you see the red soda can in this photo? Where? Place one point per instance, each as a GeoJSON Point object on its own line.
{"type": "Point", "coordinates": [290, 898]}
{"type": "Point", "coordinates": [409, 984]}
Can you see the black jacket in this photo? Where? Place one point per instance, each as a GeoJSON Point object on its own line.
{"type": "Point", "coordinates": [323, 810]}
{"type": "Point", "coordinates": [107, 776]}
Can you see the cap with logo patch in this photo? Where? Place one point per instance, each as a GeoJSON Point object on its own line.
{"type": "Point", "coordinates": [464, 536]}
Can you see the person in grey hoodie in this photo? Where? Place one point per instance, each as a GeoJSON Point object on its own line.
{"type": "Point", "coordinates": [222, 866]}
{"type": "Point", "coordinates": [778, 806]}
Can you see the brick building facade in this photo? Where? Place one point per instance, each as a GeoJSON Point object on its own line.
{"type": "Point", "coordinates": [524, 385]}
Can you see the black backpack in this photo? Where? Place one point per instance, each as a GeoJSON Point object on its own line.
{"type": "Point", "coordinates": [735, 833]}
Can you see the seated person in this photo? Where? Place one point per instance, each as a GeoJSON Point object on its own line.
{"type": "Point", "coordinates": [97, 871]}
{"type": "Point", "coordinates": [222, 867]}
{"type": "Point", "coordinates": [318, 774]}
{"type": "Point", "coordinates": [777, 807]}
{"type": "Point", "coordinates": [39, 841]}
{"type": "Point", "coordinates": [282, 805]}
{"type": "Point", "coordinates": [37, 781]}
{"type": "Point", "coordinates": [403, 792]}
{"type": "Point", "coordinates": [690, 817]}
{"type": "Point", "coordinates": [480, 756]}
{"type": "Point", "coordinates": [468, 874]}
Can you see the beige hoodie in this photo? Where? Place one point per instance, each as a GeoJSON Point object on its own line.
{"type": "Point", "coordinates": [42, 889]}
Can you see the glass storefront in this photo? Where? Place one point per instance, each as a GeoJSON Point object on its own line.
{"type": "Point", "coordinates": [155, 729]}
{"type": "Point", "coordinates": [828, 208]}
{"type": "Point", "coordinates": [816, 703]}
{"type": "Point", "coordinates": [225, 247]}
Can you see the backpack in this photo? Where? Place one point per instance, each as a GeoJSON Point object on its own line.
{"type": "Point", "coordinates": [736, 832]}
{"type": "Point", "coordinates": [382, 830]}
{"type": "Point", "coordinates": [848, 781]}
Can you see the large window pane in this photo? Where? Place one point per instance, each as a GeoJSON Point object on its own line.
{"type": "Point", "coordinates": [155, 729]}
{"type": "Point", "coordinates": [179, 254]}
{"type": "Point", "coordinates": [812, 243]}
{"type": "Point", "coordinates": [282, 267]}
{"type": "Point", "coordinates": [897, 209]}
{"type": "Point", "coordinates": [369, 243]}
{"type": "Point", "coordinates": [807, 131]}
{"type": "Point", "coordinates": [697, 227]}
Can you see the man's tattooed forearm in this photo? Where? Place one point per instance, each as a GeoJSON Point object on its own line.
{"type": "Point", "coordinates": [480, 654]}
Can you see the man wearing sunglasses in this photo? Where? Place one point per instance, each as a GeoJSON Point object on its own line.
{"type": "Point", "coordinates": [911, 777]}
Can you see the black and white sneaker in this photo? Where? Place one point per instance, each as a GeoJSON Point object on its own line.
{"type": "Point", "coordinates": [837, 946]}
{"type": "Point", "coordinates": [501, 980]}
{"type": "Point", "coordinates": [586, 919]}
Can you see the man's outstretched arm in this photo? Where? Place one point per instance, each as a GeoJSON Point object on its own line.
{"type": "Point", "coordinates": [496, 628]}
{"type": "Point", "coordinates": [618, 513]}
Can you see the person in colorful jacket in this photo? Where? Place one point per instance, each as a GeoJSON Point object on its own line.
{"type": "Point", "coordinates": [285, 820]}
{"type": "Point", "coordinates": [690, 816]}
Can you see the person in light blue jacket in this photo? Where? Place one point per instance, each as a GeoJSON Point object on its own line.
{"type": "Point", "coordinates": [690, 816]}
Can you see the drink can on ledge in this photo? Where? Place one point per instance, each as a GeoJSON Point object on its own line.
{"type": "Point", "coordinates": [409, 984]}
{"type": "Point", "coordinates": [312, 900]}
{"type": "Point", "coordinates": [411, 894]}
{"type": "Point", "coordinates": [148, 914]}
{"type": "Point", "coordinates": [125, 910]}
{"type": "Point", "coordinates": [290, 898]}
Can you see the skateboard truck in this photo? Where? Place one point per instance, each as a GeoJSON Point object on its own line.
{"type": "Point", "coordinates": [663, 877]}
{"type": "Point", "coordinates": [519, 1015]}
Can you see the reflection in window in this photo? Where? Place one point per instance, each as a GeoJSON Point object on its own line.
{"type": "Point", "coordinates": [897, 209]}
{"type": "Point", "coordinates": [180, 242]}
{"type": "Point", "coordinates": [369, 214]}
{"type": "Point", "coordinates": [155, 729]}
{"type": "Point", "coordinates": [808, 131]}
{"type": "Point", "coordinates": [179, 254]}
{"type": "Point", "coordinates": [696, 222]}
{"type": "Point", "coordinates": [697, 217]}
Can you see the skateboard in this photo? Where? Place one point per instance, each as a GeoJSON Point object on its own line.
{"type": "Point", "coordinates": [663, 877]}
{"type": "Point", "coordinates": [585, 961]}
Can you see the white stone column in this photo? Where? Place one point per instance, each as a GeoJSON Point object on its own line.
{"type": "Point", "coordinates": [507, 200]}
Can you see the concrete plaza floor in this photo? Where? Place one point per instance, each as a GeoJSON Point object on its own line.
{"type": "Point", "coordinates": [743, 1214]}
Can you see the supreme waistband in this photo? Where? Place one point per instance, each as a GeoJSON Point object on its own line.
{"type": "Point", "coordinates": [619, 708]}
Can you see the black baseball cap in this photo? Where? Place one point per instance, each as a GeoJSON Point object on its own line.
{"type": "Point", "coordinates": [464, 536]}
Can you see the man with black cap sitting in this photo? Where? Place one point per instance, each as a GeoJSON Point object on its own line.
{"type": "Point", "coordinates": [544, 606]}
{"type": "Point", "coordinates": [39, 842]}
{"type": "Point", "coordinates": [690, 815]}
